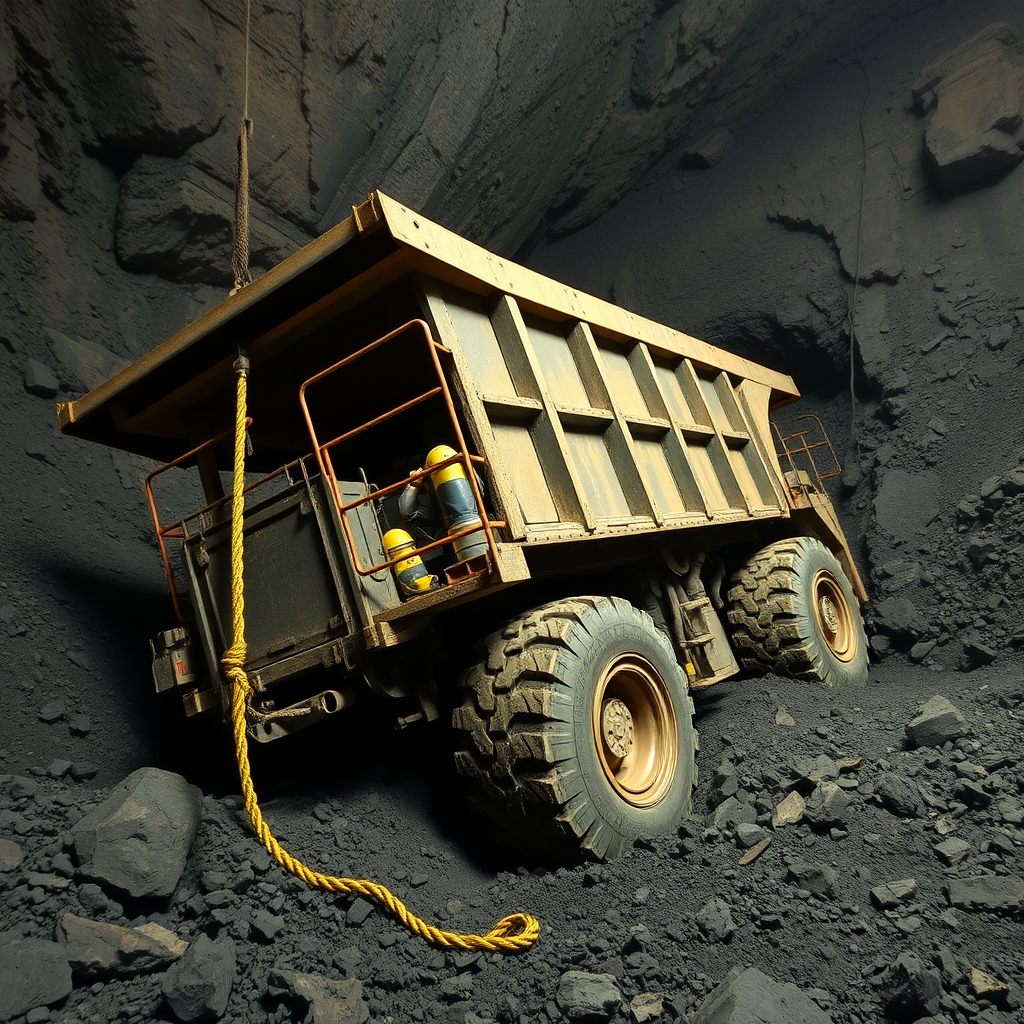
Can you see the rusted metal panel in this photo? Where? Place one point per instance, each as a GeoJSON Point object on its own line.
{"type": "Point", "coordinates": [594, 436]}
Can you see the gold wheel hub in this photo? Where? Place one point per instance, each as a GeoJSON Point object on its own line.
{"type": "Point", "coordinates": [635, 730]}
{"type": "Point", "coordinates": [616, 727]}
{"type": "Point", "coordinates": [835, 620]}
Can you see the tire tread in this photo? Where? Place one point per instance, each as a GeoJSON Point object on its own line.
{"type": "Point", "coordinates": [515, 722]}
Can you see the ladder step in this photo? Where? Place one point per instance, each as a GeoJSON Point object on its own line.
{"type": "Point", "coordinates": [700, 640]}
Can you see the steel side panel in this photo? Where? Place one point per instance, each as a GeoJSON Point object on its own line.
{"type": "Point", "coordinates": [293, 601]}
{"type": "Point", "coordinates": [290, 597]}
{"type": "Point", "coordinates": [442, 247]}
{"type": "Point", "coordinates": [568, 424]}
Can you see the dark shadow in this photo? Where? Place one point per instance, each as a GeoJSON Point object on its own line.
{"type": "Point", "coordinates": [364, 749]}
{"type": "Point", "coordinates": [154, 723]}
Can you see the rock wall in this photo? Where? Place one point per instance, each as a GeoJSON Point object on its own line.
{"type": "Point", "coordinates": [707, 157]}
{"type": "Point", "coordinates": [895, 167]}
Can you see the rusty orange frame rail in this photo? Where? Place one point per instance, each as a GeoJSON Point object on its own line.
{"type": "Point", "coordinates": [805, 448]}
{"type": "Point", "coordinates": [323, 454]}
{"type": "Point", "coordinates": [172, 531]}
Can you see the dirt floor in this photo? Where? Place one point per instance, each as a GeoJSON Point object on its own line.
{"type": "Point", "coordinates": [671, 918]}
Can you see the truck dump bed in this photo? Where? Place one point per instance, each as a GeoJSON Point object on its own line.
{"type": "Point", "coordinates": [591, 421]}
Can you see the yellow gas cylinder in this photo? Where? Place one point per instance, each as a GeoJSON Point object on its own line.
{"type": "Point", "coordinates": [458, 507]}
{"type": "Point", "coordinates": [411, 573]}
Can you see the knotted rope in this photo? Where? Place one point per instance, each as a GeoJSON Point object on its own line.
{"type": "Point", "coordinates": [512, 934]}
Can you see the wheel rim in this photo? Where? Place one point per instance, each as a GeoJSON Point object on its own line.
{"type": "Point", "coordinates": [635, 730]}
{"type": "Point", "coordinates": [835, 619]}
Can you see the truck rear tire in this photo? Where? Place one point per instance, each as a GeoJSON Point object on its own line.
{"type": "Point", "coordinates": [793, 612]}
{"type": "Point", "coordinates": [575, 730]}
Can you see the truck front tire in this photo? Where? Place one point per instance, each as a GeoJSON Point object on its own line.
{"type": "Point", "coordinates": [575, 728]}
{"type": "Point", "coordinates": [793, 612]}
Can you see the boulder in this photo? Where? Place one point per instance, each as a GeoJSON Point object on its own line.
{"type": "Point", "coordinates": [898, 796]}
{"type": "Point", "coordinates": [748, 995]}
{"type": "Point", "coordinates": [724, 784]}
{"type": "Point", "coordinates": [749, 835]}
{"type": "Point", "coordinates": [82, 365]}
{"type": "Point", "coordinates": [175, 219]}
{"type": "Point", "coordinates": [733, 812]}
{"type": "Point", "coordinates": [987, 892]}
{"type": "Point", "coordinates": [647, 1006]}
{"type": "Point", "coordinates": [936, 723]}
{"type": "Point", "coordinates": [97, 949]}
{"type": "Point", "coordinates": [889, 895]}
{"type": "Point", "coordinates": [11, 855]}
{"type": "Point", "coordinates": [819, 879]}
{"type": "Point", "coordinates": [715, 921]}
{"type": "Point", "coordinates": [320, 1000]}
{"type": "Point", "coordinates": [826, 807]}
{"type": "Point", "coordinates": [40, 379]}
{"type": "Point", "coordinates": [911, 990]}
{"type": "Point", "coordinates": [810, 772]}
{"type": "Point", "coordinates": [138, 839]}
{"type": "Point", "coordinates": [789, 811]}
{"type": "Point", "coordinates": [137, 99]}
{"type": "Point", "coordinates": [904, 505]}
{"type": "Point", "coordinates": [585, 997]}
{"type": "Point", "coordinates": [898, 619]}
{"type": "Point", "coordinates": [975, 95]}
{"type": "Point", "coordinates": [35, 973]}
{"type": "Point", "coordinates": [197, 987]}
{"type": "Point", "coordinates": [987, 986]}
{"type": "Point", "coordinates": [976, 653]}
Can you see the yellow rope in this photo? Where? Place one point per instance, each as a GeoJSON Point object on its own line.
{"type": "Point", "coordinates": [512, 934]}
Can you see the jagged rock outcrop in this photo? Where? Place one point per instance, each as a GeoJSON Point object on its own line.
{"type": "Point", "coordinates": [974, 97]}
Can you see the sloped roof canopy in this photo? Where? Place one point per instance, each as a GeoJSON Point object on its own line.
{"type": "Point", "coordinates": [290, 319]}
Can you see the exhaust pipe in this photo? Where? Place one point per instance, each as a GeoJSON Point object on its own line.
{"type": "Point", "coordinates": [273, 725]}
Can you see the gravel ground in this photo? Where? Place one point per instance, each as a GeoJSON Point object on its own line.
{"type": "Point", "coordinates": [671, 918]}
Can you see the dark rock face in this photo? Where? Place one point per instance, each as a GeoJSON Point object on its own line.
{"type": "Point", "coordinates": [934, 330]}
{"type": "Point", "coordinates": [169, 107]}
{"type": "Point", "coordinates": [137, 840]}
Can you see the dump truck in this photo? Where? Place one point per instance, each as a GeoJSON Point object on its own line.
{"type": "Point", "coordinates": [476, 493]}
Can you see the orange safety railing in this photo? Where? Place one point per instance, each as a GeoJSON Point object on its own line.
{"type": "Point", "coordinates": [175, 530]}
{"type": "Point", "coordinates": [796, 445]}
{"type": "Point", "coordinates": [323, 453]}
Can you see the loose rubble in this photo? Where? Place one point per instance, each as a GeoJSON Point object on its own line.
{"type": "Point", "coordinates": [882, 917]}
